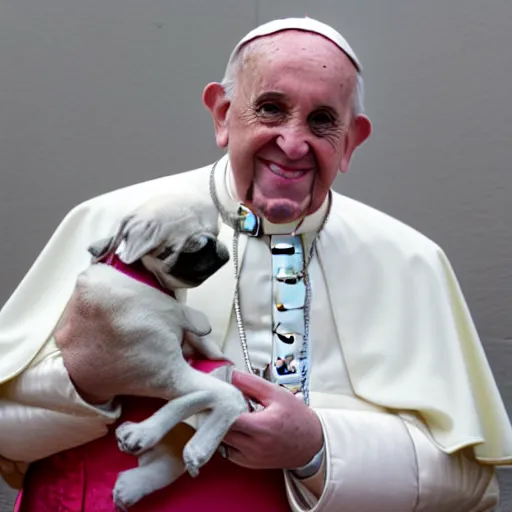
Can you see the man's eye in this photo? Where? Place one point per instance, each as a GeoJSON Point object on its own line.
{"type": "Point", "coordinates": [321, 119]}
{"type": "Point", "coordinates": [269, 109]}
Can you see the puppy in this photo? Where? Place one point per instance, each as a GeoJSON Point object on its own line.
{"type": "Point", "coordinates": [174, 239]}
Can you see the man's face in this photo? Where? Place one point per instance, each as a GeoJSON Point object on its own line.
{"type": "Point", "coordinates": [290, 128]}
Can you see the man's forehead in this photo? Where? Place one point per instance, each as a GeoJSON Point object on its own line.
{"type": "Point", "coordinates": [315, 64]}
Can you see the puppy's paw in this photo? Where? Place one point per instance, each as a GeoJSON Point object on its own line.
{"type": "Point", "coordinates": [193, 460]}
{"type": "Point", "coordinates": [135, 438]}
{"type": "Point", "coordinates": [127, 490]}
{"type": "Point", "coordinates": [195, 321]}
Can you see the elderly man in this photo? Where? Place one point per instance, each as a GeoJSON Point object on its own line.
{"type": "Point", "coordinates": [396, 408]}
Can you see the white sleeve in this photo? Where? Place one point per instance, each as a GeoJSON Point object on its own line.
{"type": "Point", "coordinates": [379, 462]}
{"type": "Point", "coordinates": [41, 413]}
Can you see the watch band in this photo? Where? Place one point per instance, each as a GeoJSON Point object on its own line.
{"type": "Point", "coordinates": [312, 467]}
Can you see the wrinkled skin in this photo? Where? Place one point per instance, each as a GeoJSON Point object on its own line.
{"type": "Point", "coordinates": [292, 108]}
{"type": "Point", "coordinates": [289, 129]}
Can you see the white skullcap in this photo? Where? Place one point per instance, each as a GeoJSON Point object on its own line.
{"type": "Point", "coordinates": [305, 24]}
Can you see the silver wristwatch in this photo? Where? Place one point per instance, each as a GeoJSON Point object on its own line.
{"type": "Point", "coordinates": [312, 467]}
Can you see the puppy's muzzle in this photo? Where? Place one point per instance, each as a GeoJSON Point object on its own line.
{"type": "Point", "coordinates": [196, 267]}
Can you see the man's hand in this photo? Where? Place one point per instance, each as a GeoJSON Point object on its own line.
{"type": "Point", "coordinates": [286, 434]}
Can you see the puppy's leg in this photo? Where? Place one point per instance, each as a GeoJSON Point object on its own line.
{"type": "Point", "coordinates": [210, 433]}
{"type": "Point", "coordinates": [157, 469]}
{"type": "Point", "coordinates": [194, 321]}
{"type": "Point", "coordinates": [225, 373]}
{"type": "Point", "coordinates": [136, 438]}
{"type": "Point", "coordinates": [204, 346]}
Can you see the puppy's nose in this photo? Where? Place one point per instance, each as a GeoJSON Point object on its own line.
{"type": "Point", "coordinates": [210, 244]}
{"type": "Point", "coordinates": [215, 247]}
{"type": "Point", "coordinates": [222, 252]}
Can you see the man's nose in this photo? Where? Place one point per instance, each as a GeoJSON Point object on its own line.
{"type": "Point", "coordinates": [293, 142]}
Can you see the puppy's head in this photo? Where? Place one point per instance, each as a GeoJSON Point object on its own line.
{"type": "Point", "coordinates": [175, 237]}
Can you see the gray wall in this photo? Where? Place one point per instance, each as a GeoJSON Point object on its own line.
{"type": "Point", "coordinates": [99, 94]}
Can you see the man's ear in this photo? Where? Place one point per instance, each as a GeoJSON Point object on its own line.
{"type": "Point", "coordinates": [360, 129]}
{"type": "Point", "coordinates": [214, 99]}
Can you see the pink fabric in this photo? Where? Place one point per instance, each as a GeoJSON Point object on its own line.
{"type": "Point", "coordinates": [206, 365]}
{"type": "Point", "coordinates": [17, 503]}
{"type": "Point", "coordinates": [82, 479]}
{"type": "Point", "coordinates": [137, 271]}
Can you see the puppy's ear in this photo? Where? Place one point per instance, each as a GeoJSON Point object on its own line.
{"type": "Point", "coordinates": [101, 248]}
{"type": "Point", "coordinates": [140, 237]}
{"type": "Point", "coordinates": [105, 246]}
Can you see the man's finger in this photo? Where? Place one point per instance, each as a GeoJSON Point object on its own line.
{"type": "Point", "coordinates": [251, 423]}
{"type": "Point", "coordinates": [238, 440]}
{"type": "Point", "coordinates": [238, 458]}
{"type": "Point", "coordinates": [254, 387]}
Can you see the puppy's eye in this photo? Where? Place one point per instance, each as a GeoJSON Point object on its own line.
{"type": "Point", "coordinates": [195, 244]}
{"type": "Point", "coordinates": [165, 253]}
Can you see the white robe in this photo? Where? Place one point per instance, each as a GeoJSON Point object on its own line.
{"type": "Point", "coordinates": [399, 378]}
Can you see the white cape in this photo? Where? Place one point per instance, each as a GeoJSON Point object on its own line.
{"type": "Point", "coordinates": [406, 332]}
